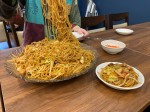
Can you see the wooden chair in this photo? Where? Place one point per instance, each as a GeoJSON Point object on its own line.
{"type": "Point", "coordinates": [14, 32]}
{"type": "Point", "coordinates": [87, 22]}
{"type": "Point", "coordinates": [18, 35]}
{"type": "Point", "coordinates": [118, 17]}
{"type": "Point", "coordinates": [4, 36]}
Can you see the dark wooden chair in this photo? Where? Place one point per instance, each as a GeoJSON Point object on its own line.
{"type": "Point", "coordinates": [87, 22]}
{"type": "Point", "coordinates": [118, 17]}
{"type": "Point", "coordinates": [18, 35]}
{"type": "Point", "coordinates": [14, 33]}
{"type": "Point", "coordinates": [4, 36]}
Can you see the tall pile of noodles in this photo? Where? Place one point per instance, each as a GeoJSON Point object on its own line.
{"type": "Point", "coordinates": [56, 18]}
{"type": "Point", "coordinates": [54, 59]}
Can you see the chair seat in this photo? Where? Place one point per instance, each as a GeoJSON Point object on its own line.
{"type": "Point", "coordinates": [120, 25]}
{"type": "Point", "coordinates": [97, 30]}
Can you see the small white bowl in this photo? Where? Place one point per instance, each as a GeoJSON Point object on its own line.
{"type": "Point", "coordinates": [124, 31]}
{"type": "Point", "coordinates": [77, 35]}
{"type": "Point", "coordinates": [113, 46]}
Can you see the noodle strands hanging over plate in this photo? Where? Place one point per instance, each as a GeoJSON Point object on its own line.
{"type": "Point", "coordinates": [52, 60]}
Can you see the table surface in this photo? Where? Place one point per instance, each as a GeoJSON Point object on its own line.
{"type": "Point", "coordinates": [85, 93]}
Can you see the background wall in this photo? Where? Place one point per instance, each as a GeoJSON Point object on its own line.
{"type": "Point", "coordinates": [139, 10]}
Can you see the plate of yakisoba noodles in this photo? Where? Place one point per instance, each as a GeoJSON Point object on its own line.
{"type": "Point", "coordinates": [119, 75]}
{"type": "Point", "coordinates": [52, 60]}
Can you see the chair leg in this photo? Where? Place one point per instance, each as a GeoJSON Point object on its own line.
{"type": "Point", "coordinates": [7, 35]}
{"type": "Point", "coordinates": [9, 43]}
{"type": "Point", "coordinates": [15, 34]}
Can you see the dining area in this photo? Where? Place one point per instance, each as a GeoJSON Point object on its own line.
{"type": "Point", "coordinates": [85, 93]}
{"type": "Point", "coordinates": [74, 56]}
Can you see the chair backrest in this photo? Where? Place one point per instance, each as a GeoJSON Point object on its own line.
{"type": "Point", "coordinates": [87, 22]}
{"type": "Point", "coordinates": [14, 34]}
{"type": "Point", "coordinates": [4, 36]}
{"type": "Point", "coordinates": [18, 35]}
{"type": "Point", "coordinates": [118, 17]}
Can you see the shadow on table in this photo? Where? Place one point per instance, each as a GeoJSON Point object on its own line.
{"type": "Point", "coordinates": [147, 109]}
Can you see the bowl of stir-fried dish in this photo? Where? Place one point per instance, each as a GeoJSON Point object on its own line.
{"type": "Point", "coordinates": [119, 76]}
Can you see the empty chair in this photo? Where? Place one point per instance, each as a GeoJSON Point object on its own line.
{"type": "Point", "coordinates": [118, 17]}
{"type": "Point", "coordinates": [87, 22]}
{"type": "Point", "coordinates": [4, 36]}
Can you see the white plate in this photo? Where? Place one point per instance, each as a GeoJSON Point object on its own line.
{"type": "Point", "coordinates": [140, 78]}
{"type": "Point", "coordinates": [124, 31]}
{"type": "Point", "coordinates": [77, 35]}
